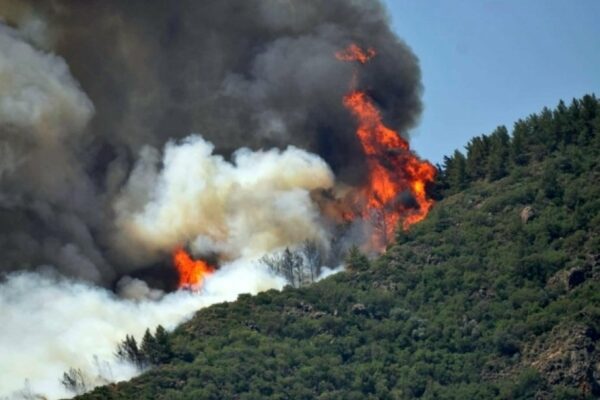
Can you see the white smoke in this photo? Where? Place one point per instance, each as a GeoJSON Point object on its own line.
{"type": "Point", "coordinates": [326, 272]}
{"type": "Point", "coordinates": [50, 324]}
{"type": "Point", "coordinates": [258, 202]}
{"type": "Point", "coordinates": [39, 95]}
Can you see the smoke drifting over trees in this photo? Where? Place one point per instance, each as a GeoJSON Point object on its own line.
{"type": "Point", "coordinates": [51, 324]}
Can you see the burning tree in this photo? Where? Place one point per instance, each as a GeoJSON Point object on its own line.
{"type": "Point", "coordinates": [395, 173]}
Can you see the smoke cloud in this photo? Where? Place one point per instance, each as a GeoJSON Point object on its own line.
{"type": "Point", "coordinates": [87, 87]}
{"type": "Point", "coordinates": [100, 177]}
{"type": "Point", "coordinates": [47, 200]}
{"type": "Point", "coordinates": [257, 203]}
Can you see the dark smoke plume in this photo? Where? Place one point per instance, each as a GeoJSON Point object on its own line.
{"type": "Point", "coordinates": [253, 73]}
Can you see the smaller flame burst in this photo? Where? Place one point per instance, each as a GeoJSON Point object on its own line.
{"type": "Point", "coordinates": [191, 272]}
{"type": "Point", "coordinates": [355, 53]}
{"type": "Point", "coordinates": [393, 168]}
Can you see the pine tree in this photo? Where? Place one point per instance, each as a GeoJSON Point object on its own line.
{"type": "Point", "coordinates": [128, 350]}
{"type": "Point", "coordinates": [589, 111]}
{"type": "Point", "coordinates": [576, 120]}
{"type": "Point", "coordinates": [519, 149]}
{"type": "Point", "coordinates": [547, 133]}
{"type": "Point", "coordinates": [562, 124]}
{"type": "Point", "coordinates": [535, 142]}
{"type": "Point", "coordinates": [356, 260]}
{"type": "Point", "coordinates": [164, 353]}
{"type": "Point", "coordinates": [499, 154]}
{"type": "Point", "coordinates": [441, 184]}
{"type": "Point", "coordinates": [477, 154]}
{"type": "Point", "coordinates": [149, 348]}
{"type": "Point", "coordinates": [456, 171]}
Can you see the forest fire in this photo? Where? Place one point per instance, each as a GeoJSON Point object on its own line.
{"type": "Point", "coordinates": [393, 169]}
{"type": "Point", "coordinates": [228, 164]}
{"type": "Point", "coordinates": [191, 272]}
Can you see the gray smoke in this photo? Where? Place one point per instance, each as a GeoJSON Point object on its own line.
{"type": "Point", "coordinates": [48, 202]}
{"type": "Point", "coordinates": [85, 86]}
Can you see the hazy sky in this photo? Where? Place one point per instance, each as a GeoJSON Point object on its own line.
{"type": "Point", "coordinates": [487, 63]}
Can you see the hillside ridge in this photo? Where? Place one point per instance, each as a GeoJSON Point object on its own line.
{"type": "Point", "coordinates": [494, 295]}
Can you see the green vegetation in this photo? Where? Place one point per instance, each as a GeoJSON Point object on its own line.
{"type": "Point", "coordinates": [484, 299]}
{"type": "Point", "coordinates": [154, 349]}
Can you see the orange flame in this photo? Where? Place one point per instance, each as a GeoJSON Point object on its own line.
{"type": "Point", "coordinates": [191, 272]}
{"type": "Point", "coordinates": [355, 53]}
{"type": "Point", "coordinates": [393, 168]}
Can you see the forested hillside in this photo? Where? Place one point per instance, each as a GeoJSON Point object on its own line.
{"type": "Point", "coordinates": [495, 295]}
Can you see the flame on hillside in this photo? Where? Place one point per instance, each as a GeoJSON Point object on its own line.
{"type": "Point", "coordinates": [395, 193]}
{"type": "Point", "coordinates": [395, 172]}
{"type": "Point", "coordinates": [191, 272]}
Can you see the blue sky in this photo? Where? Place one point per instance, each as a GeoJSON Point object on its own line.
{"type": "Point", "coordinates": [487, 63]}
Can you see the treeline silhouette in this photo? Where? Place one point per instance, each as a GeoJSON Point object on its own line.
{"type": "Point", "coordinates": [493, 156]}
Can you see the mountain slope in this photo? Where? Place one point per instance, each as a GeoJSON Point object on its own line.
{"type": "Point", "coordinates": [495, 295]}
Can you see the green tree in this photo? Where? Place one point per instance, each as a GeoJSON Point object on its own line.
{"type": "Point", "coordinates": [149, 348]}
{"type": "Point", "coordinates": [128, 350]}
{"type": "Point", "coordinates": [356, 260]}
{"type": "Point", "coordinates": [478, 150]}
{"type": "Point", "coordinates": [455, 167]}
{"type": "Point", "coordinates": [589, 111]}
{"type": "Point", "coordinates": [519, 150]}
{"type": "Point", "coordinates": [562, 123]}
{"type": "Point", "coordinates": [164, 353]}
{"type": "Point", "coordinates": [499, 154]}
{"type": "Point", "coordinates": [547, 133]}
{"type": "Point", "coordinates": [549, 183]}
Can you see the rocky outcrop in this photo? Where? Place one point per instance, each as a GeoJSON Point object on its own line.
{"type": "Point", "coordinates": [569, 279]}
{"type": "Point", "coordinates": [527, 213]}
{"type": "Point", "coordinates": [386, 286]}
{"type": "Point", "coordinates": [569, 356]}
{"type": "Point", "coordinates": [303, 309]}
{"type": "Point", "coordinates": [359, 309]}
